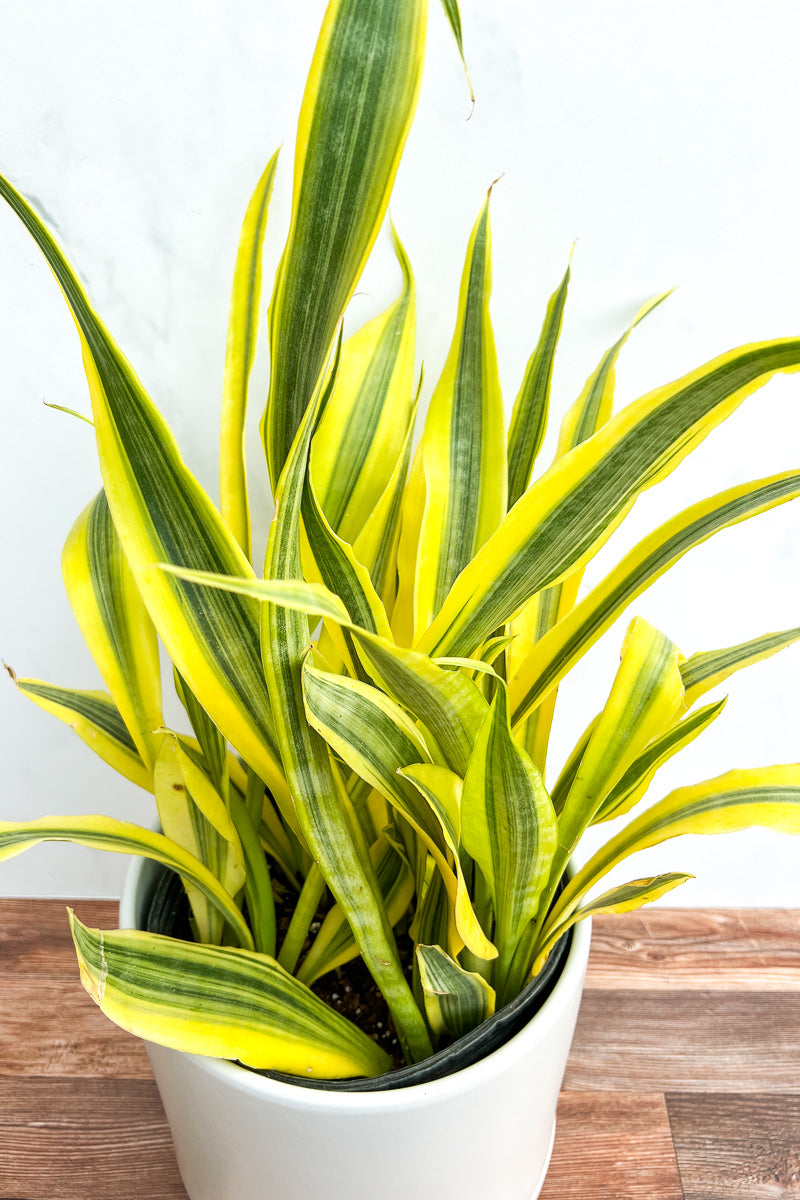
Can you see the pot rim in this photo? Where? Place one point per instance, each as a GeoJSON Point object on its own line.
{"type": "Point", "coordinates": [476, 1075]}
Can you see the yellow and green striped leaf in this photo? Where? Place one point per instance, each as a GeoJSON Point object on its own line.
{"type": "Point", "coordinates": [639, 775]}
{"type": "Point", "coordinates": [463, 442]}
{"type": "Point", "coordinates": [335, 945]}
{"type": "Point", "coordinates": [221, 1002]}
{"type": "Point", "coordinates": [323, 808]}
{"type": "Point", "coordinates": [442, 789]}
{"type": "Point", "coordinates": [532, 405]}
{"type": "Point", "coordinates": [97, 721]}
{"type": "Point", "coordinates": [121, 837]}
{"type": "Point", "coordinates": [560, 649]}
{"type": "Point", "coordinates": [362, 432]}
{"type": "Point", "coordinates": [766, 796]}
{"type": "Point", "coordinates": [645, 699]}
{"type": "Point", "coordinates": [239, 354]}
{"type": "Point", "coordinates": [377, 544]}
{"type": "Point", "coordinates": [212, 744]}
{"type": "Point", "coordinates": [162, 514]}
{"type": "Point", "coordinates": [115, 624]}
{"type": "Point", "coordinates": [193, 815]}
{"type": "Point", "coordinates": [704, 671]}
{"type": "Point", "coordinates": [621, 899]}
{"type": "Point", "coordinates": [566, 515]}
{"type": "Point", "coordinates": [456, 1000]}
{"type": "Point", "coordinates": [447, 703]}
{"type": "Point", "coordinates": [454, 17]}
{"type": "Point", "coordinates": [357, 109]}
{"type": "Point", "coordinates": [509, 827]}
{"type": "Point", "coordinates": [591, 410]}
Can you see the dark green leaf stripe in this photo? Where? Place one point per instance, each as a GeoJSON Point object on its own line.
{"type": "Point", "coordinates": [446, 702]}
{"type": "Point", "coordinates": [700, 670]}
{"type": "Point", "coordinates": [371, 734]}
{"type": "Point", "coordinates": [121, 837]}
{"type": "Point", "coordinates": [555, 654]}
{"type": "Point", "coordinates": [96, 707]}
{"type": "Point", "coordinates": [357, 111]}
{"type": "Point", "coordinates": [638, 776]}
{"type": "Point", "coordinates": [530, 412]}
{"type": "Point", "coordinates": [577, 504]}
{"type": "Point", "coordinates": [220, 1001]}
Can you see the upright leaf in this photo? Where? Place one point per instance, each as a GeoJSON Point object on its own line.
{"type": "Point", "coordinates": [356, 113]}
{"type": "Point", "coordinates": [463, 442]}
{"type": "Point", "coordinates": [239, 354]}
{"type": "Point", "coordinates": [362, 431]}
{"type": "Point", "coordinates": [509, 827]}
{"type": "Point", "coordinates": [532, 405]}
{"type": "Point", "coordinates": [323, 808]}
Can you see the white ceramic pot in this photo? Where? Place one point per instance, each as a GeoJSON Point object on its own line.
{"type": "Point", "coordinates": [483, 1133]}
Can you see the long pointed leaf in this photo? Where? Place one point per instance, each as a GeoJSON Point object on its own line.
{"type": "Point", "coordinates": [239, 354]}
{"type": "Point", "coordinates": [554, 655]}
{"type": "Point", "coordinates": [463, 442]}
{"type": "Point", "coordinates": [121, 837]}
{"type": "Point", "coordinates": [356, 113]}
{"type": "Point", "coordinates": [565, 517]}
{"type": "Point", "coordinates": [704, 671]}
{"type": "Point", "coordinates": [221, 1002]}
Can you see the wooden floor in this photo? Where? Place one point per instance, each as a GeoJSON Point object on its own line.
{"type": "Point", "coordinates": [684, 1078]}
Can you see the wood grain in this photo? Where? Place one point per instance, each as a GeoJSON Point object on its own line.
{"type": "Point", "coordinates": [737, 1147]}
{"type": "Point", "coordinates": [687, 1041]}
{"type": "Point", "coordinates": [718, 949]}
{"type": "Point", "coordinates": [593, 1161]}
{"type": "Point", "coordinates": [86, 1139]}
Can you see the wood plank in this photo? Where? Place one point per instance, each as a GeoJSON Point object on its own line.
{"type": "Point", "coordinates": [612, 1147]}
{"type": "Point", "coordinates": [755, 949]}
{"type": "Point", "coordinates": [687, 1041]}
{"type": "Point", "coordinates": [54, 1028]}
{"type": "Point", "coordinates": [35, 939]}
{"type": "Point", "coordinates": [737, 1147]}
{"type": "Point", "coordinates": [100, 1139]}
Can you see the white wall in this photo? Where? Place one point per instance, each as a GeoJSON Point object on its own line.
{"type": "Point", "coordinates": [661, 134]}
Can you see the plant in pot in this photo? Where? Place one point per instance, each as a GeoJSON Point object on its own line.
{"type": "Point", "coordinates": [362, 788]}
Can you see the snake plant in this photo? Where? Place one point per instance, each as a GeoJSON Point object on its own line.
{"type": "Point", "coordinates": [368, 716]}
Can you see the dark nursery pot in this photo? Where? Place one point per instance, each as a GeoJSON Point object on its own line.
{"type": "Point", "coordinates": [475, 1120]}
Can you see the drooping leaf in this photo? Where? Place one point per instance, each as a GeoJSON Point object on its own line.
{"type": "Point", "coordinates": [219, 1001]}
{"type": "Point", "coordinates": [121, 837]}
{"type": "Point", "coordinates": [454, 17]}
{"type": "Point", "coordinates": [766, 796]}
{"type": "Point", "coordinates": [97, 721]}
{"type": "Point", "coordinates": [115, 624]}
{"type": "Point", "coordinates": [568, 513]}
{"type": "Point", "coordinates": [357, 109]}
{"type": "Point", "coordinates": [239, 354]}
{"type": "Point", "coordinates": [162, 514]}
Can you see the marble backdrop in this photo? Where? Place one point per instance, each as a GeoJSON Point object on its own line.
{"type": "Point", "coordinates": [661, 135]}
